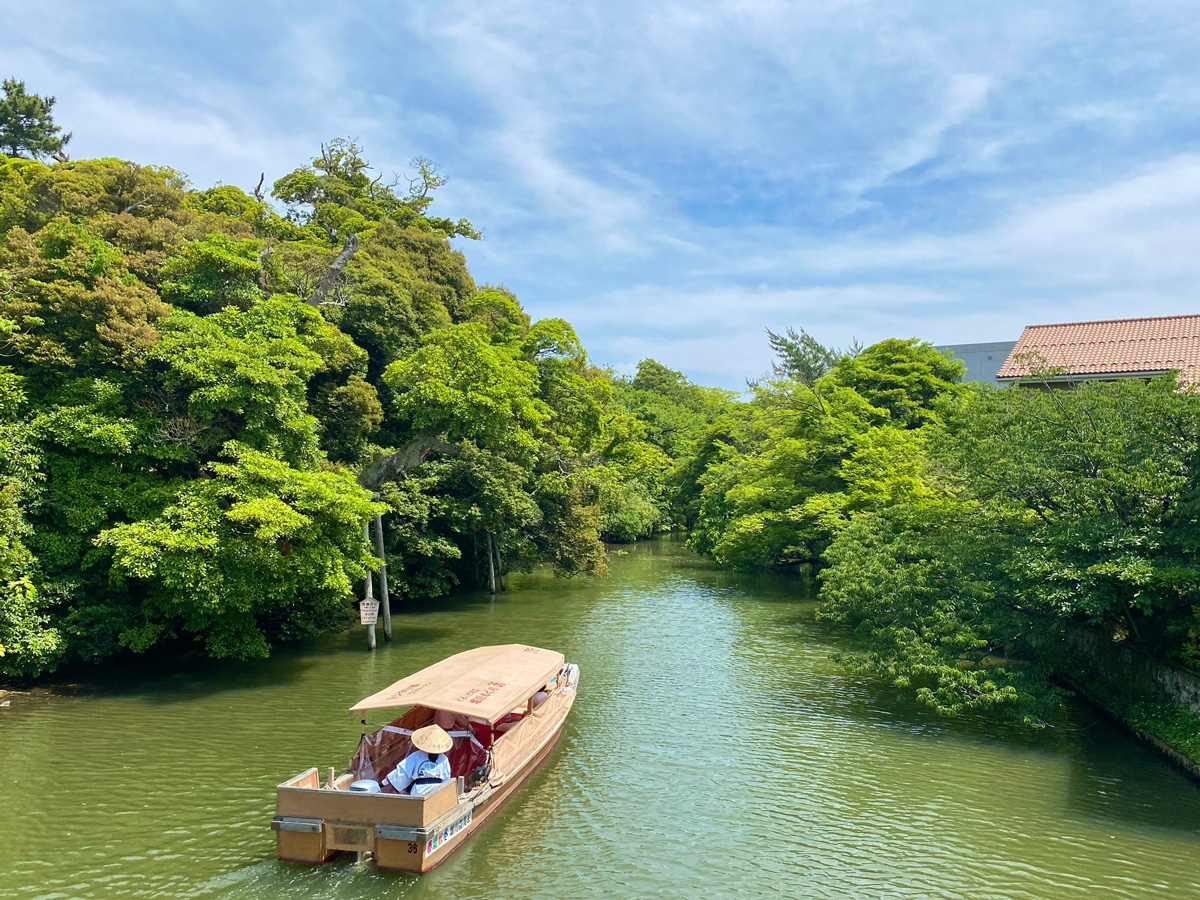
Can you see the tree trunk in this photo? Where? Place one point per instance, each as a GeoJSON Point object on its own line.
{"type": "Point", "coordinates": [329, 279]}
{"type": "Point", "coordinates": [373, 476]}
{"type": "Point", "coordinates": [1137, 635]}
{"type": "Point", "coordinates": [385, 603]}
{"type": "Point", "coordinates": [395, 465]}
{"type": "Point", "coordinates": [491, 565]}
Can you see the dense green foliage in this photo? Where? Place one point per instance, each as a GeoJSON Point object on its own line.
{"type": "Point", "coordinates": [964, 532]}
{"type": "Point", "coordinates": [656, 444]}
{"type": "Point", "coordinates": [1055, 510]}
{"type": "Point", "coordinates": [807, 453]}
{"type": "Point", "coordinates": [194, 386]}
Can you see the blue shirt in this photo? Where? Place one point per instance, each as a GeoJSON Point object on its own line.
{"type": "Point", "coordinates": [417, 765]}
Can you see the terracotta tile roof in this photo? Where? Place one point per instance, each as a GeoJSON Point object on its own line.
{"type": "Point", "coordinates": [1114, 346]}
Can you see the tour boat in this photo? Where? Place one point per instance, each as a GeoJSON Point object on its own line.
{"type": "Point", "coordinates": [504, 707]}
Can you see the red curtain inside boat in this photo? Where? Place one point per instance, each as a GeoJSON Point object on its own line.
{"type": "Point", "coordinates": [377, 754]}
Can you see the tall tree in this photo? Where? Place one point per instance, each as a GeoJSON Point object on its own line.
{"type": "Point", "coordinates": [800, 356]}
{"type": "Point", "coordinates": [27, 125]}
{"type": "Point", "coordinates": [808, 457]}
{"type": "Point", "coordinates": [1050, 512]}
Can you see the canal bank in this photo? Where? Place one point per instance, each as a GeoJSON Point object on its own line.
{"type": "Point", "coordinates": [715, 748]}
{"type": "Point", "coordinates": [1158, 703]}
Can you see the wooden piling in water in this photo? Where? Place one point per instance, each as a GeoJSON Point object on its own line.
{"type": "Point", "coordinates": [385, 603]}
{"type": "Point", "coordinates": [499, 566]}
{"type": "Point", "coordinates": [368, 593]}
{"type": "Point", "coordinates": [491, 565]}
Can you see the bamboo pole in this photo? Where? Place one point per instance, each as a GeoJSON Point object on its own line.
{"type": "Point", "coordinates": [385, 603]}
{"type": "Point", "coordinates": [491, 565]}
{"type": "Point", "coordinates": [368, 593]}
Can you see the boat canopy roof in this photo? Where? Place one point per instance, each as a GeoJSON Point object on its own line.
{"type": "Point", "coordinates": [485, 683]}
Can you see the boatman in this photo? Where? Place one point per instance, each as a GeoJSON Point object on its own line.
{"type": "Point", "coordinates": [427, 768]}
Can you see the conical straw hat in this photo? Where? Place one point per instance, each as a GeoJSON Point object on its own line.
{"type": "Point", "coordinates": [432, 739]}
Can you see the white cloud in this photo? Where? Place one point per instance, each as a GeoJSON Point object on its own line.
{"type": "Point", "coordinates": [675, 178]}
{"type": "Point", "coordinates": [965, 94]}
{"type": "Point", "coordinates": [1142, 226]}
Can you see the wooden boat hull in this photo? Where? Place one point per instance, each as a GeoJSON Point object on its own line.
{"type": "Point", "coordinates": [404, 834]}
{"type": "Point", "coordinates": [398, 855]}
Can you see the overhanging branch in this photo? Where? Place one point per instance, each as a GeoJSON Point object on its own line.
{"type": "Point", "coordinates": [395, 465]}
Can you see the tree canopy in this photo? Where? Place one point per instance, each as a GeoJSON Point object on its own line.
{"type": "Point", "coordinates": [792, 467]}
{"type": "Point", "coordinates": [27, 123]}
{"type": "Point", "coordinates": [1053, 510]}
{"type": "Point", "coordinates": [196, 385]}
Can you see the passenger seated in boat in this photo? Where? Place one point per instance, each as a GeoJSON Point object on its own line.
{"type": "Point", "coordinates": [427, 768]}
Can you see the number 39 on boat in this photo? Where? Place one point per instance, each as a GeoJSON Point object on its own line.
{"type": "Point", "coordinates": [474, 726]}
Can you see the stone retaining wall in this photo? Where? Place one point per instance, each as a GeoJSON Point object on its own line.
{"type": "Point", "coordinates": [1117, 662]}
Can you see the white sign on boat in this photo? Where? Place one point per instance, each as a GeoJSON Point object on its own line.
{"type": "Point", "coordinates": [368, 612]}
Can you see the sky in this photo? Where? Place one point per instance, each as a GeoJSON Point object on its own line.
{"type": "Point", "coordinates": [676, 178]}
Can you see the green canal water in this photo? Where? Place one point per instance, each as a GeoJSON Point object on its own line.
{"type": "Point", "coordinates": [715, 750]}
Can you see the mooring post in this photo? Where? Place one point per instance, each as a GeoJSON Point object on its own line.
{"type": "Point", "coordinates": [491, 565]}
{"type": "Point", "coordinates": [385, 604]}
{"type": "Point", "coordinates": [368, 595]}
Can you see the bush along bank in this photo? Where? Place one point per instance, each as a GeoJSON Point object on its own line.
{"type": "Point", "coordinates": [965, 531]}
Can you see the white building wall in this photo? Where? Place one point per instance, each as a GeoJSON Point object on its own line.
{"type": "Point", "coordinates": [983, 361]}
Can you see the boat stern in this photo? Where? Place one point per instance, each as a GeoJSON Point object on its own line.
{"type": "Point", "coordinates": [313, 823]}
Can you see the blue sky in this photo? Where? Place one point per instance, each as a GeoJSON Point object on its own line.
{"type": "Point", "coordinates": [676, 178]}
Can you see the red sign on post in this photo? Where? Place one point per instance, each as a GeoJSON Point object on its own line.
{"type": "Point", "coordinates": [368, 611]}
